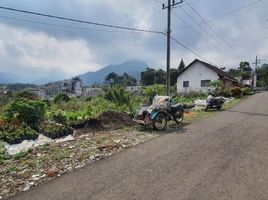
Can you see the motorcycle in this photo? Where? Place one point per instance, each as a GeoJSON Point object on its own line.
{"type": "Point", "coordinates": [163, 110]}
{"type": "Point", "coordinates": [214, 102]}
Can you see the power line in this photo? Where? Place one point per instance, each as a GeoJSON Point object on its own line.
{"type": "Point", "coordinates": [212, 29]}
{"type": "Point", "coordinates": [208, 33]}
{"type": "Point", "coordinates": [187, 48]}
{"type": "Point", "coordinates": [189, 25]}
{"type": "Point", "coordinates": [234, 11]}
{"type": "Point", "coordinates": [80, 21]}
{"type": "Point", "coordinates": [60, 25]}
{"type": "Point", "coordinates": [160, 2]}
{"type": "Point", "coordinates": [228, 13]}
{"type": "Point", "coordinates": [101, 30]}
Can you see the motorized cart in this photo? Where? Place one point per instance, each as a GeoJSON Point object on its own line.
{"type": "Point", "coordinates": [159, 113]}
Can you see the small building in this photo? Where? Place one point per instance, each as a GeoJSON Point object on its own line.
{"type": "Point", "coordinates": [133, 89]}
{"type": "Point", "coordinates": [72, 87]}
{"type": "Point", "coordinates": [92, 92]}
{"type": "Point", "coordinates": [197, 76]}
{"type": "Point", "coordinates": [5, 92]}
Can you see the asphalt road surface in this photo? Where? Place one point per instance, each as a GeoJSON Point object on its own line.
{"type": "Point", "coordinates": [222, 157]}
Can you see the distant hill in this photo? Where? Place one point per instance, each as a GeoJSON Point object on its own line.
{"type": "Point", "coordinates": [131, 67]}
{"type": "Point", "coordinates": [6, 77]}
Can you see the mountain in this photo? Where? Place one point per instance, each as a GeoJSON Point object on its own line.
{"type": "Point", "coordinates": [6, 77]}
{"type": "Point", "coordinates": [131, 67]}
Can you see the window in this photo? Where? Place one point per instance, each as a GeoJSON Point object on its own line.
{"type": "Point", "coordinates": [205, 83]}
{"type": "Point", "coordinates": [185, 84]}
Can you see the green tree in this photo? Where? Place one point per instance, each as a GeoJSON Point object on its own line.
{"type": "Point", "coordinates": [181, 65]}
{"type": "Point", "coordinates": [262, 74]}
{"type": "Point", "coordinates": [234, 72]}
{"type": "Point", "coordinates": [174, 73]}
{"type": "Point", "coordinates": [245, 69]}
{"type": "Point", "coordinates": [153, 76]}
{"type": "Point", "coordinates": [160, 77]}
{"type": "Point", "coordinates": [148, 76]}
{"type": "Point", "coordinates": [128, 80]}
{"type": "Point", "coordinates": [124, 80]}
{"type": "Point", "coordinates": [111, 78]}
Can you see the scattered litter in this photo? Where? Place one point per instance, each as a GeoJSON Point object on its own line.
{"type": "Point", "coordinates": [28, 186]}
{"type": "Point", "coordinates": [64, 139]}
{"type": "Point", "coordinates": [28, 144]}
{"type": "Point", "coordinates": [200, 102]}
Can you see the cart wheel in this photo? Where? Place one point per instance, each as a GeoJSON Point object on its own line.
{"type": "Point", "coordinates": [178, 116]}
{"type": "Point", "coordinates": [160, 121]}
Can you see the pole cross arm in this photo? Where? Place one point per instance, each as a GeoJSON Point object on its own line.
{"type": "Point", "coordinates": [172, 5]}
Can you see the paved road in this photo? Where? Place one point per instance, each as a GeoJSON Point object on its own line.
{"type": "Point", "coordinates": [223, 157]}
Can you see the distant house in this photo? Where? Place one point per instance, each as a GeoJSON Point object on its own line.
{"type": "Point", "coordinates": [5, 92]}
{"type": "Point", "coordinates": [197, 76]}
{"type": "Point", "coordinates": [92, 92]}
{"type": "Point", "coordinates": [72, 87]}
{"type": "Point", "coordinates": [133, 89]}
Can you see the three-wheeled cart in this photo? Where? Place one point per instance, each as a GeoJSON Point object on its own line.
{"type": "Point", "coordinates": [159, 113]}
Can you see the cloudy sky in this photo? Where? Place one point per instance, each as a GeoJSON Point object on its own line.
{"type": "Point", "coordinates": [34, 47]}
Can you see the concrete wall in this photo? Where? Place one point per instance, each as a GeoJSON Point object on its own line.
{"type": "Point", "coordinates": [194, 75]}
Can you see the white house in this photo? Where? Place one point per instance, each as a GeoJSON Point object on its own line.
{"type": "Point", "coordinates": [197, 76]}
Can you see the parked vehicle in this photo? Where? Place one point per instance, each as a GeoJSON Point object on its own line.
{"type": "Point", "coordinates": [214, 102]}
{"type": "Point", "coordinates": [163, 110]}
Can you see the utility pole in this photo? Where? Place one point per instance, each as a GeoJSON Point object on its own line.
{"type": "Point", "coordinates": [254, 74]}
{"type": "Point", "coordinates": [168, 33]}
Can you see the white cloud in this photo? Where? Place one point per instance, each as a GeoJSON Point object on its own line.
{"type": "Point", "coordinates": [45, 49]}
{"type": "Point", "coordinates": [20, 47]}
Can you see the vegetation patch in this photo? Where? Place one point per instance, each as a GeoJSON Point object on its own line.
{"type": "Point", "coordinates": [55, 130]}
{"type": "Point", "coordinates": [17, 135]}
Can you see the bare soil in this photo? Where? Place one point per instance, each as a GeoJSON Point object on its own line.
{"type": "Point", "coordinates": [110, 120]}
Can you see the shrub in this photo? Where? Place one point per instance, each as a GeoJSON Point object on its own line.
{"type": "Point", "coordinates": [225, 93]}
{"type": "Point", "coordinates": [61, 98]}
{"type": "Point", "coordinates": [26, 95]}
{"type": "Point", "coordinates": [54, 130]}
{"type": "Point", "coordinates": [16, 136]}
{"type": "Point", "coordinates": [216, 84]}
{"type": "Point", "coordinates": [236, 91]}
{"type": "Point", "coordinates": [58, 117]}
{"type": "Point", "coordinates": [246, 91]}
{"type": "Point", "coordinates": [26, 111]}
{"type": "Point", "coordinates": [119, 96]}
{"type": "Point", "coordinates": [194, 94]}
{"type": "Point", "coordinates": [153, 90]}
{"type": "Point", "coordinates": [47, 102]}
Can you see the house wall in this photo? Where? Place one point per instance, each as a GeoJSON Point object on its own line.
{"type": "Point", "coordinates": [194, 75]}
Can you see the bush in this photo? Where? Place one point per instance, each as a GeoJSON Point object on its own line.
{"type": "Point", "coordinates": [61, 98]}
{"type": "Point", "coordinates": [194, 94]}
{"type": "Point", "coordinates": [26, 111]}
{"type": "Point", "coordinates": [119, 96]}
{"type": "Point", "coordinates": [246, 91]}
{"type": "Point", "coordinates": [16, 136]}
{"type": "Point", "coordinates": [236, 91]}
{"type": "Point", "coordinates": [54, 130]}
{"type": "Point", "coordinates": [26, 95]}
{"type": "Point", "coordinates": [58, 117]}
{"type": "Point", "coordinates": [225, 93]}
{"type": "Point", "coordinates": [153, 90]}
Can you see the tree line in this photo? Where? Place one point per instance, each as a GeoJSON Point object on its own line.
{"type": "Point", "coordinates": [245, 72]}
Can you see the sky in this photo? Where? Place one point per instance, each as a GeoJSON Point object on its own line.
{"type": "Point", "coordinates": [35, 47]}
